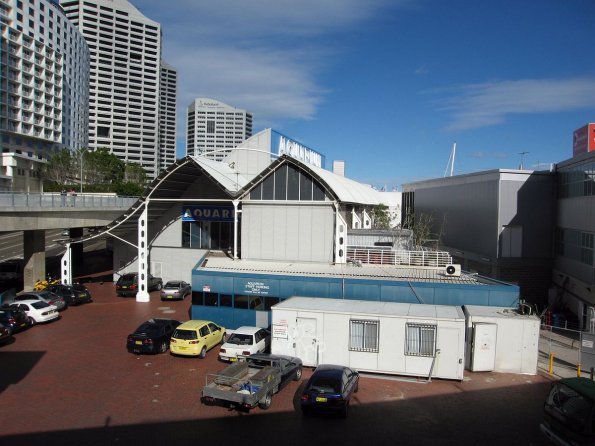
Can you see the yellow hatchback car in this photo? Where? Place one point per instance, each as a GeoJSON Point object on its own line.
{"type": "Point", "coordinates": [194, 338]}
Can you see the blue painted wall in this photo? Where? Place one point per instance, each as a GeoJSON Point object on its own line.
{"type": "Point", "coordinates": [271, 288]}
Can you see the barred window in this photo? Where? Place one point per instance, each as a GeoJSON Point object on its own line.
{"type": "Point", "coordinates": [363, 336]}
{"type": "Point", "coordinates": [420, 340]}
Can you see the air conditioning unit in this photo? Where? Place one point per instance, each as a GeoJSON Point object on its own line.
{"type": "Point", "coordinates": [453, 270]}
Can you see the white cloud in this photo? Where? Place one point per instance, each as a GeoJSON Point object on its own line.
{"type": "Point", "coordinates": [481, 105]}
{"type": "Point", "coordinates": [264, 56]}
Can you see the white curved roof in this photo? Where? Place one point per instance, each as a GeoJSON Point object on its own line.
{"type": "Point", "coordinates": [346, 190]}
{"type": "Point", "coordinates": [229, 178]}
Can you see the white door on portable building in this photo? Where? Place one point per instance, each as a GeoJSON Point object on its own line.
{"type": "Point", "coordinates": [306, 345]}
{"type": "Point", "coordinates": [449, 361]}
{"type": "Point", "coordinates": [483, 347]}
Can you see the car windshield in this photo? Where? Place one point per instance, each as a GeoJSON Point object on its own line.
{"type": "Point", "coordinates": [47, 295]}
{"type": "Point", "coordinates": [173, 285]}
{"type": "Point", "coordinates": [240, 339]}
{"type": "Point", "coordinates": [39, 305]}
{"type": "Point", "coordinates": [324, 384]}
{"type": "Point", "coordinates": [127, 279]}
{"type": "Point", "coordinates": [259, 363]}
{"type": "Point", "coordinates": [147, 329]}
{"type": "Point", "coordinates": [186, 335]}
{"type": "Point", "coordinates": [27, 297]}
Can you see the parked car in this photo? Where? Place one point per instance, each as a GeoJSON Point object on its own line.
{"type": "Point", "coordinates": [329, 389]}
{"type": "Point", "coordinates": [5, 333]}
{"type": "Point", "coordinates": [75, 294]}
{"type": "Point", "coordinates": [175, 289]}
{"type": "Point", "coordinates": [127, 284]}
{"type": "Point", "coordinates": [569, 412]}
{"type": "Point", "coordinates": [14, 318]}
{"type": "Point", "coordinates": [195, 338]}
{"type": "Point", "coordinates": [152, 336]}
{"type": "Point", "coordinates": [245, 341]}
{"type": "Point", "coordinates": [45, 296]}
{"type": "Point", "coordinates": [37, 310]}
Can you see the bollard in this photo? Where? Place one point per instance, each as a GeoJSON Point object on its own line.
{"type": "Point", "coordinates": [551, 371]}
{"type": "Point", "coordinates": [578, 370]}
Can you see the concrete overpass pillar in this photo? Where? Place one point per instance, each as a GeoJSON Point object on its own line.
{"type": "Point", "coordinates": [34, 257]}
{"type": "Point", "coordinates": [76, 255]}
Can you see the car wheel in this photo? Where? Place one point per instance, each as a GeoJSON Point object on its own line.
{"type": "Point", "coordinates": [159, 286]}
{"type": "Point", "coordinates": [356, 388]}
{"type": "Point", "coordinates": [298, 374]}
{"type": "Point", "coordinates": [163, 347]}
{"type": "Point", "coordinates": [31, 320]}
{"type": "Point", "coordinates": [222, 339]}
{"type": "Point", "coordinates": [266, 401]}
{"type": "Point", "coordinates": [203, 353]}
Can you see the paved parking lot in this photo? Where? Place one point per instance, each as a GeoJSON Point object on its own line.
{"type": "Point", "coordinates": [73, 382]}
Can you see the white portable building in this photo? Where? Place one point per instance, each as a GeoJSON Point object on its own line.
{"type": "Point", "coordinates": [501, 339]}
{"type": "Point", "coordinates": [372, 336]}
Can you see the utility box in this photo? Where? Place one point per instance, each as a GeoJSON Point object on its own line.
{"type": "Point", "coordinates": [501, 339]}
{"type": "Point", "coordinates": [587, 351]}
{"type": "Point", "coordinates": [384, 337]}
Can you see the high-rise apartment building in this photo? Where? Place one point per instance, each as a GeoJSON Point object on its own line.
{"type": "Point", "coordinates": [213, 126]}
{"type": "Point", "coordinates": [124, 104]}
{"type": "Point", "coordinates": [44, 86]}
{"type": "Point", "coordinates": [167, 115]}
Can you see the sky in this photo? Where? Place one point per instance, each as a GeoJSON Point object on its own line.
{"type": "Point", "coordinates": [390, 86]}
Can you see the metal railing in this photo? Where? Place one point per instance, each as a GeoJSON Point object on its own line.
{"type": "Point", "coordinates": [57, 200]}
{"type": "Point", "coordinates": [376, 256]}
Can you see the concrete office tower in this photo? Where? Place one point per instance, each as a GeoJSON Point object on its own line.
{"type": "Point", "coordinates": [213, 126]}
{"type": "Point", "coordinates": [167, 115]}
{"type": "Point", "coordinates": [44, 86]}
{"type": "Point", "coordinates": [125, 76]}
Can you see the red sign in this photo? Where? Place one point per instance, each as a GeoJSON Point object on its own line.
{"type": "Point", "coordinates": [583, 140]}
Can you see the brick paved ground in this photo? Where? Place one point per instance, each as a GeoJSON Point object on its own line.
{"type": "Point", "coordinates": [73, 382]}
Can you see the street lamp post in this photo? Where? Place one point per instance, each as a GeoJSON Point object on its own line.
{"type": "Point", "coordinates": [81, 153]}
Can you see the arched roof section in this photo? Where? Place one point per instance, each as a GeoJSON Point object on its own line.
{"type": "Point", "coordinates": [340, 188]}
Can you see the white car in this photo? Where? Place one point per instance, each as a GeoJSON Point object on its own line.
{"type": "Point", "coordinates": [245, 341]}
{"type": "Point", "coordinates": [37, 310]}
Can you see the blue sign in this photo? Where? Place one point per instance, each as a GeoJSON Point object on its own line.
{"type": "Point", "coordinates": [281, 144]}
{"type": "Point", "coordinates": [207, 213]}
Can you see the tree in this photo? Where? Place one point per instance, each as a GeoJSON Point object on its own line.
{"type": "Point", "coordinates": [102, 171]}
{"type": "Point", "coordinates": [381, 217]}
{"type": "Point", "coordinates": [422, 227]}
{"type": "Point", "coordinates": [134, 173]}
{"type": "Point", "coordinates": [60, 167]}
{"type": "Point", "coordinates": [102, 167]}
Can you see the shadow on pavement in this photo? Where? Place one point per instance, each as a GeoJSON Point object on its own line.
{"type": "Point", "coordinates": [14, 366]}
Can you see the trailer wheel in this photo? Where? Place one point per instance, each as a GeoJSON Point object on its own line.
{"type": "Point", "coordinates": [266, 401]}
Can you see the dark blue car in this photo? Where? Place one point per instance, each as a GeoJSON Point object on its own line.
{"type": "Point", "coordinates": [329, 390]}
{"type": "Point", "coordinates": [152, 336]}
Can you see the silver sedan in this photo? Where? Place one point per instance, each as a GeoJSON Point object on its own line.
{"type": "Point", "coordinates": [175, 289]}
{"type": "Point", "coordinates": [46, 296]}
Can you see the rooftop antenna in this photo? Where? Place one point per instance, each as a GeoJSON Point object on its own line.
{"type": "Point", "coordinates": [522, 156]}
{"type": "Point", "coordinates": [451, 160]}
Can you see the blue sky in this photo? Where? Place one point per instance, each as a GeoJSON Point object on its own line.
{"type": "Point", "coordinates": [389, 85]}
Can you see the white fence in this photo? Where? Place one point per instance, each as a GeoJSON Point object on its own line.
{"type": "Point", "coordinates": [378, 256]}
{"type": "Point", "coordinates": [48, 200]}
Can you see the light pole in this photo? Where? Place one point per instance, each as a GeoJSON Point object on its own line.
{"type": "Point", "coordinates": [81, 153]}
{"type": "Point", "coordinates": [522, 156]}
